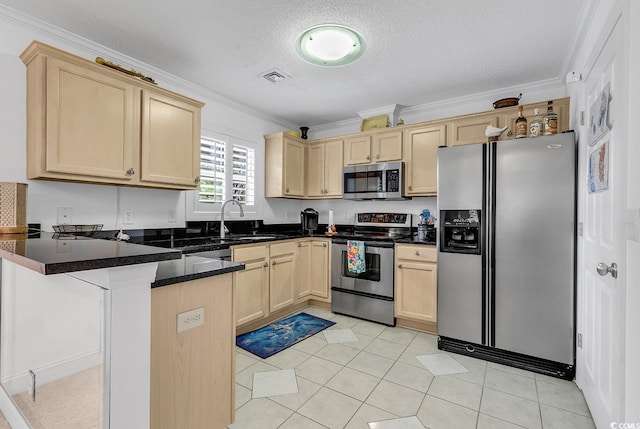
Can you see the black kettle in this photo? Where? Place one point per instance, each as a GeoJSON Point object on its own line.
{"type": "Point", "coordinates": [309, 221]}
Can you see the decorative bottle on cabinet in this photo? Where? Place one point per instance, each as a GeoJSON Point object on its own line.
{"type": "Point", "coordinates": [550, 120]}
{"type": "Point", "coordinates": [535, 128]}
{"type": "Point", "coordinates": [521, 125]}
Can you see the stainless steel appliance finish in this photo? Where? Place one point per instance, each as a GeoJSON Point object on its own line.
{"type": "Point", "coordinates": [512, 302]}
{"type": "Point", "coordinates": [381, 181]}
{"type": "Point", "coordinates": [370, 294]}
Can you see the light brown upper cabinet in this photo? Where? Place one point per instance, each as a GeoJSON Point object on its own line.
{"type": "Point", "coordinates": [470, 129]}
{"type": "Point", "coordinates": [284, 166]}
{"type": "Point", "coordinates": [378, 146]}
{"type": "Point", "coordinates": [324, 169]}
{"type": "Point", "coordinates": [89, 123]}
{"type": "Point", "coordinates": [420, 157]}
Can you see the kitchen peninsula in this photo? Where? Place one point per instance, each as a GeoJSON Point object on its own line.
{"type": "Point", "coordinates": [139, 294]}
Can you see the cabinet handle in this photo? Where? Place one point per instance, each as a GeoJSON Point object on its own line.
{"type": "Point", "coordinates": [510, 133]}
{"type": "Point", "coordinates": [400, 266]}
{"type": "Point", "coordinates": [368, 157]}
{"type": "Point", "coordinates": [410, 188]}
{"type": "Point", "coordinates": [197, 179]}
{"type": "Point", "coordinates": [131, 172]}
{"type": "Point", "coordinates": [266, 265]}
{"type": "Point", "coordinates": [299, 244]}
{"type": "Point", "coordinates": [287, 190]}
{"type": "Point", "coordinates": [417, 253]}
{"type": "Point", "coordinates": [326, 192]}
{"type": "Point", "coordinates": [324, 244]}
{"type": "Point", "coordinates": [273, 262]}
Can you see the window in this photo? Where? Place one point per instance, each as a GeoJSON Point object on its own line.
{"type": "Point", "coordinates": [227, 171]}
{"type": "Point", "coordinates": [221, 164]}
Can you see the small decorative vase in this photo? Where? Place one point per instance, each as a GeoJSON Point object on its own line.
{"type": "Point", "coordinates": [303, 132]}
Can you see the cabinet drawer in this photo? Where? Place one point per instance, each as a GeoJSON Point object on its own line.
{"type": "Point", "coordinates": [250, 253]}
{"type": "Point", "coordinates": [417, 253]}
{"type": "Point", "coordinates": [279, 249]}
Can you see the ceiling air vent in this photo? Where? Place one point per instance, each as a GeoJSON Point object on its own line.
{"type": "Point", "coordinates": [274, 76]}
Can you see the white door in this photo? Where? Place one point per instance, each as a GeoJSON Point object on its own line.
{"type": "Point", "coordinates": [601, 299]}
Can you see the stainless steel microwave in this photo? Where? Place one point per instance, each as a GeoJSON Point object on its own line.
{"type": "Point", "coordinates": [381, 181]}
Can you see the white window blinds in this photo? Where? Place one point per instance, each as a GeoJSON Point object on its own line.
{"type": "Point", "coordinates": [226, 171]}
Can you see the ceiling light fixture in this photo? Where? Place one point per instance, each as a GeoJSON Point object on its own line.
{"type": "Point", "coordinates": [330, 45]}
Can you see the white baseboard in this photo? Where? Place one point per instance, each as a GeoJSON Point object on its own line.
{"type": "Point", "coordinates": [51, 372]}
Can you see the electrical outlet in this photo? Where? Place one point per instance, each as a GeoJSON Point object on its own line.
{"type": "Point", "coordinates": [190, 319]}
{"type": "Point", "coordinates": [127, 216]}
{"type": "Point", "coordinates": [173, 217]}
{"type": "Point", "coordinates": [65, 215]}
{"type": "Point", "coordinates": [31, 390]}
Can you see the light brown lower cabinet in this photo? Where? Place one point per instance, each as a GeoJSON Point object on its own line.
{"type": "Point", "coordinates": [192, 372]}
{"type": "Point", "coordinates": [416, 283]}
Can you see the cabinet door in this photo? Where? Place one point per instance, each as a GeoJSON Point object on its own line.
{"type": "Point", "coordinates": [333, 153]}
{"type": "Point", "coordinates": [293, 165]}
{"type": "Point", "coordinates": [319, 275]}
{"type": "Point", "coordinates": [302, 272]}
{"type": "Point", "coordinates": [421, 153]}
{"type": "Point", "coordinates": [251, 288]}
{"type": "Point", "coordinates": [91, 123]}
{"type": "Point", "coordinates": [471, 129]}
{"type": "Point", "coordinates": [387, 146]}
{"type": "Point", "coordinates": [315, 170]}
{"type": "Point", "coordinates": [281, 287]}
{"type": "Point", "coordinates": [170, 145]}
{"type": "Point", "coordinates": [357, 150]}
{"type": "Point", "coordinates": [416, 291]}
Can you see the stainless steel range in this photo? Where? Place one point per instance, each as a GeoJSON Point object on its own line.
{"type": "Point", "coordinates": [368, 294]}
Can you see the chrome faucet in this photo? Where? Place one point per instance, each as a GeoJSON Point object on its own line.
{"type": "Point", "coordinates": [222, 227]}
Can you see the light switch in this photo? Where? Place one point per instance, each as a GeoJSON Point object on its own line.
{"type": "Point", "coordinates": [190, 319]}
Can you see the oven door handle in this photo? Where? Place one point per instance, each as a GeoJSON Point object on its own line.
{"type": "Point", "coordinates": [367, 243]}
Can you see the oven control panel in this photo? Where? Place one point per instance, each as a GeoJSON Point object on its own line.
{"type": "Point", "coordinates": [383, 219]}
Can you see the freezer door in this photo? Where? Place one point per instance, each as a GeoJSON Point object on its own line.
{"type": "Point", "coordinates": [534, 247]}
{"type": "Point", "coordinates": [460, 177]}
{"type": "Point", "coordinates": [461, 287]}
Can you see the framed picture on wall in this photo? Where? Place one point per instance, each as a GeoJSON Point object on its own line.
{"type": "Point", "coordinates": [598, 116]}
{"type": "Point", "coordinates": [599, 168]}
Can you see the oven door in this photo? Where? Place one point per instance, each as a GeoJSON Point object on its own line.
{"type": "Point", "coordinates": [377, 279]}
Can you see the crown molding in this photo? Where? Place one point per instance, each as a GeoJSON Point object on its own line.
{"type": "Point", "coordinates": [87, 47]}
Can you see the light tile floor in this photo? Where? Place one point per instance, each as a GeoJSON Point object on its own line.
{"type": "Point", "coordinates": [378, 382]}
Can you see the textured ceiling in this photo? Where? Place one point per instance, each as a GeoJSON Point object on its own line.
{"type": "Point", "coordinates": [418, 51]}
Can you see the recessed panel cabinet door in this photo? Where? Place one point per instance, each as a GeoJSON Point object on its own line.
{"type": "Point", "coordinates": [170, 145]}
{"type": "Point", "coordinates": [281, 282]}
{"type": "Point", "coordinates": [421, 156]}
{"type": "Point", "coordinates": [315, 170]}
{"type": "Point", "coordinates": [91, 122]}
{"type": "Point", "coordinates": [293, 168]}
{"type": "Point", "coordinates": [319, 269]}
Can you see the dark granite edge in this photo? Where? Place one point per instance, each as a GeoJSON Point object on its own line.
{"type": "Point", "coordinates": [120, 261]}
{"type": "Point", "coordinates": [195, 276]}
{"type": "Point", "coordinates": [415, 241]}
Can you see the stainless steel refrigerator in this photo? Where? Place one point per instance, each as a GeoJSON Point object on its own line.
{"type": "Point", "coordinates": [506, 252]}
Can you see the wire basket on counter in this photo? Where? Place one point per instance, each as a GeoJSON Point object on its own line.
{"type": "Point", "coordinates": [72, 231]}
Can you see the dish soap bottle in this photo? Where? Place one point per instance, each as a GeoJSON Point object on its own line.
{"type": "Point", "coordinates": [535, 128]}
{"type": "Point", "coordinates": [521, 125]}
{"type": "Point", "coordinates": [550, 120]}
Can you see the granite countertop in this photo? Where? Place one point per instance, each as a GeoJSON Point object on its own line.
{"type": "Point", "coordinates": [414, 240]}
{"type": "Point", "coordinates": [49, 253]}
{"type": "Point", "coordinates": [191, 267]}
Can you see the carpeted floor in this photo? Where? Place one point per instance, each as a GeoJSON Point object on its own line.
{"type": "Point", "coordinates": [3, 422]}
{"type": "Point", "coordinates": [70, 402]}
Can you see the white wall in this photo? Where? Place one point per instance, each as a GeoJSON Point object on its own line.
{"type": "Point", "coordinates": [61, 321]}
